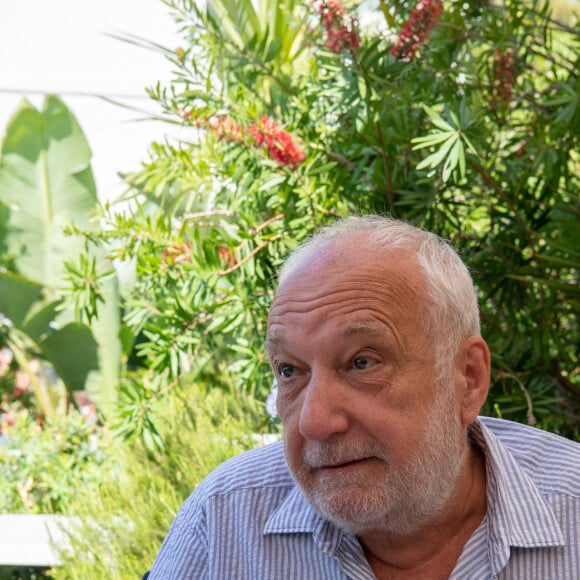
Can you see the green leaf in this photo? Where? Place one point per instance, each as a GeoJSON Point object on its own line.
{"type": "Point", "coordinates": [437, 120]}
{"type": "Point", "coordinates": [74, 353]}
{"type": "Point", "coordinates": [362, 87]}
{"type": "Point", "coordinates": [17, 296]}
{"type": "Point", "coordinates": [316, 169]}
{"type": "Point", "coordinates": [106, 329]}
{"type": "Point", "coordinates": [451, 161]}
{"type": "Point", "coordinates": [38, 323]}
{"type": "Point", "coordinates": [47, 182]}
{"type": "Point", "coordinates": [433, 139]}
{"type": "Point", "coordinates": [272, 183]}
{"type": "Point", "coordinates": [436, 158]}
{"type": "Point", "coordinates": [461, 158]}
{"type": "Point", "coordinates": [385, 9]}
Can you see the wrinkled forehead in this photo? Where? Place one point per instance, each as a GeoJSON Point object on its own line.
{"type": "Point", "coordinates": [344, 246]}
{"type": "Point", "coordinates": [352, 267]}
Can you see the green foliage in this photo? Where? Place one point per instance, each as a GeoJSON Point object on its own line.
{"type": "Point", "coordinates": [121, 526]}
{"type": "Point", "coordinates": [42, 467]}
{"type": "Point", "coordinates": [46, 185]}
{"type": "Point", "coordinates": [22, 572]}
{"type": "Point", "coordinates": [71, 349]}
{"type": "Point", "coordinates": [474, 134]}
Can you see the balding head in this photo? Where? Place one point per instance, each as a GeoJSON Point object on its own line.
{"type": "Point", "coordinates": [452, 310]}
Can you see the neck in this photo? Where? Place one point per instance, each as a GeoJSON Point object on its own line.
{"type": "Point", "coordinates": [439, 544]}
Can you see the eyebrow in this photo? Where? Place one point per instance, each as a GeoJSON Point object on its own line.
{"type": "Point", "coordinates": [366, 328]}
{"type": "Point", "coordinates": [275, 339]}
{"type": "Point", "coordinates": [356, 328]}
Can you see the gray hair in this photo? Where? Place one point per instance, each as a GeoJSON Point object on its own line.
{"type": "Point", "coordinates": [453, 312]}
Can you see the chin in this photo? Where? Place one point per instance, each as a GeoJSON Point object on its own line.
{"type": "Point", "coordinates": [354, 508]}
{"type": "Point", "coordinates": [360, 515]}
{"type": "Point", "coordinates": [360, 504]}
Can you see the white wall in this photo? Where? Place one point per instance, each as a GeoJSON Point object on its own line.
{"type": "Point", "coordinates": [62, 47]}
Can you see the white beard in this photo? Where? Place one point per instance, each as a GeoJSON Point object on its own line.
{"type": "Point", "coordinates": [400, 501]}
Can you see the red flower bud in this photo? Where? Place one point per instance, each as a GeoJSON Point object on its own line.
{"type": "Point", "coordinates": [279, 144]}
{"type": "Point", "coordinates": [417, 28]}
{"type": "Point", "coordinates": [340, 33]}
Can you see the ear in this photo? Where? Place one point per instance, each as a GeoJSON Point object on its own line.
{"type": "Point", "coordinates": [474, 366]}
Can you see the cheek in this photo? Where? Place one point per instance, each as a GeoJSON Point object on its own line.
{"type": "Point", "coordinates": [400, 434]}
{"type": "Point", "coordinates": [289, 412]}
{"type": "Point", "coordinates": [293, 448]}
{"type": "Point", "coordinates": [287, 405]}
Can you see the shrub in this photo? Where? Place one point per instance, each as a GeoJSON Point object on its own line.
{"type": "Point", "coordinates": [122, 524]}
{"type": "Point", "coordinates": [463, 118]}
{"type": "Point", "coordinates": [42, 467]}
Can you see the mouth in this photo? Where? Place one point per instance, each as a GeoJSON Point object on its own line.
{"type": "Point", "coordinates": [345, 464]}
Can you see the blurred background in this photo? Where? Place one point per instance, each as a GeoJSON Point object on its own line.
{"type": "Point", "coordinates": [131, 342]}
{"type": "Point", "coordinates": [66, 47]}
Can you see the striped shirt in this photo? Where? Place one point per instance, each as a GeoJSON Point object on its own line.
{"type": "Point", "coordinates": [249, 521]}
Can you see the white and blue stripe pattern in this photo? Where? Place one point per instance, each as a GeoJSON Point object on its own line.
{"type": "Point", "coordinates": [248, 521]}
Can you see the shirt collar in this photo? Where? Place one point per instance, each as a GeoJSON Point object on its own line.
{"type": "Point", "coordinates": [518, 514]}
{"type": "Point", "coordinates": [296, 515]}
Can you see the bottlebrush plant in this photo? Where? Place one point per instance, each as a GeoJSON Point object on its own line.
{"type": "Point", "coordinates": [460, 117]}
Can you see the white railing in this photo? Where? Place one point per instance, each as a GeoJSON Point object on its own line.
{"type": "Point", "coordinates": [30, 539]}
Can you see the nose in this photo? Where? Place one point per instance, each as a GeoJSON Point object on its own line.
{"type": "Point", "coordinates": [324, 410]}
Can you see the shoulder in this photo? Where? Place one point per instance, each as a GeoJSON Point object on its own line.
{"type": "Point", "coordinates": [262, 472]}
{"type": "Point", "coordinates": [552, 461]}
{"type": "Point", "coordinates": [262, 467]}
{"type": "Point", "coordinates": [524, 438]}
{"type": "Point", "coordinates": [227, 509]}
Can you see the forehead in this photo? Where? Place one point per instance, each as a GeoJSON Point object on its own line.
{"type": "Point", "coordinates": [348, 282]}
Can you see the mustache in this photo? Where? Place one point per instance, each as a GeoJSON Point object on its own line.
{"type": "Point", "coordinates": [332, 454]}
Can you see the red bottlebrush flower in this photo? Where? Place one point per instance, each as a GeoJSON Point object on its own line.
{"type": "Point", "coordinates": [226, 255]}
{"type": "Point", "coordinates": [264, 133]}
{"type": "Point", "coordinates": [340, 33]}
{"type": "Point", "coordinates": [185, 115]}
{"type": "Point", "coordinates": [220, 125]}
{"type": "Point", "coordinates": [503, 82]}
{"type": "Point", "coordinates": [417, 28]}
{"type": "Point", "coordinates": [279, 143]}
{"type": "Point", "coordinates": [177, 253]}
{"type": "Point", "coordinates": [225, 128]}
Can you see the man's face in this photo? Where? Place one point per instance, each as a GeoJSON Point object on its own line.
{"type": "Point", "coordinates": [370, 438]}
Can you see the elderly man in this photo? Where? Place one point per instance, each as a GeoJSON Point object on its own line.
{"type": "Point", "coordinates": [386, 471]}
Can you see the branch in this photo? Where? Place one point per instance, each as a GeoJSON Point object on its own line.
{"type": "Point", "coordinates": [530, 414]}
{"type": "Point", "coordinates": [568, 65]}
{"type": "Point", "coordinates": [206, 214]}
{"type": "Point", "coordinates": [267, 223]}
{"type": "Point", "coordinates": [384, 157]}
{"type": "Point", "coordinates": [564, 27]}
{"type": "Point", "coordinates": [249, 256]}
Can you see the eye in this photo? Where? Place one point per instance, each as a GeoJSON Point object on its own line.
{"type": "Point", "coordinates": [363, 362]}
{"type": "Point", "coordinates": [286, 371]}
